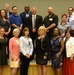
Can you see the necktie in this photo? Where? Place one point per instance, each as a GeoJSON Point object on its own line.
{"type": "Point", "coordinates": [33, 21]}
{"type": "Point", "coordinates": [68, 18]}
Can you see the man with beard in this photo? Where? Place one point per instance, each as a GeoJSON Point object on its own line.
{"type": "Point", "coordinates": [25, 16]}
{"type": "Point", "coordinates": [50, 22]}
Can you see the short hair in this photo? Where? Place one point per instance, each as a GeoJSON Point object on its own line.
{"type": "Point", "coordinates": [69, 30]}
{"type": "Point", "coordinates": [24, 30]}
{"type": "Point", "coordinates": [16, 29]}
{"type": "Point", "coordinates": [64, 15]}
{"type": "Point", "coordinates": [6, 4]}
{"type": "Point", "coordinates": [26, 6]}
{"type": "Point", "coordinates": [42, 28]}
{"type": "Point", "coordinates": [14, 7]}
{"type": "Point", "coordinates": [34, 8]}
{"type": "Point", "coordinates": [70, 7]}
{"type": "Point", "coordinates": [58, 31]}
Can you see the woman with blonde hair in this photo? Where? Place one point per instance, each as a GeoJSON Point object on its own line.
{"type": "Point", "coordinates": [42, 50]}
{"type": "Point", "coordinates": [14, 51]}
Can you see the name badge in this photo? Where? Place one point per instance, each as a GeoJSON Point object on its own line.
{"type": "Point", "coordinates": [50, 19]}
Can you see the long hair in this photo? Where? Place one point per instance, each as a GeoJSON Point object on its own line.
{"type": "Point", "coordinates": [5, 14]}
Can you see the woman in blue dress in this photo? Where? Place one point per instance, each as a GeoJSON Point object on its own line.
{"type": "Point", "coordinates": [57, 46]}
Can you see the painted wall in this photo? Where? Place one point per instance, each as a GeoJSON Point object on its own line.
{"type": "Point", "coordinates": [60, 6]}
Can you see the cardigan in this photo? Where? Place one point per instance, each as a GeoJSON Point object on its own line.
{"type": "Point", "coordinates": [70, 47]}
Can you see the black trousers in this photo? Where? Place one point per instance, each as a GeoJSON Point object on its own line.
{"type": "Point", "coordinates": [24, 65]}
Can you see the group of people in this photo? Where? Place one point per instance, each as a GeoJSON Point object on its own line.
{"type": "Point", "coordinates": [27, 36]}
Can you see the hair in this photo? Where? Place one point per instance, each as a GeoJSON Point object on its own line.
{"type": "Point", "coordinates": [5, 14]}
{"type": "Point", "coordinates": [58, 31]}
{"type": "Point", "coordinates": [14, 7]}
{"type": "Point", "coordinates": [6, 4]}
{"type": "Point", "coordinates": [33, 8]}
{"type": "Point", "coordinates": [26, 6]}
{"type": "Point", "coordinates": [69, 30]}
{"type": "Point", "coordinates": [24, 30]}
{"type": "Point", "coordinates": [64, 15]}
{"type": "Point", "coordinates": [16, 29]}
{"type": "Point", "coordinates": [42, 28]}
{"type": "Point", "coordinates": [1, 28]}
{"type": "Point", "coordinates": [70, 7]}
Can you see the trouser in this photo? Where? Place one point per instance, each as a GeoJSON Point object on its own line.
{"type": "Point", "coordinates": [24, 65]}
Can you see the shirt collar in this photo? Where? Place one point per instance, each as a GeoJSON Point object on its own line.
{"type": "Point", "coordinates": [15, 15]}
{"type": "Point", "coordinates": [61, 23]}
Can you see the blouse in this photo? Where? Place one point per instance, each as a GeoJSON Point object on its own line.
{"type": "Point", "coordinates": [26, 45]}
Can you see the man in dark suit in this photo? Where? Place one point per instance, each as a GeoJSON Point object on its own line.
{"type": "Point", "coordinates": [35, 23]}
{"type": "Point", "coordinates": [7, 6]}
{"type": "Point", "coordinates": [25, 16]}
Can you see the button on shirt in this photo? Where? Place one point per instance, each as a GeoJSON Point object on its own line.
{"type": "Point", "coordinates": [33, 20]}
{"type": "Point", "coordinates": [26, 45]}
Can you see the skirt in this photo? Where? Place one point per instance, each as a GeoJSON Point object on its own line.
{"type": "Point", "coordinates": [68, 67]}
{"type": "Point", "coordinates": [14, 63]}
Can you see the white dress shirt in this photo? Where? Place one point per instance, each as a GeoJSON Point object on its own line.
{"type": "Point", "coordinates": [26, 45]}
{"type": "Point", "coordinates": [71, 21]}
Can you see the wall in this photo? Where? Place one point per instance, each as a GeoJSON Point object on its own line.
{"type": "Point", "coordinates": [60, 6]}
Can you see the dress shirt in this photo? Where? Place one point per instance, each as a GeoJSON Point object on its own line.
{"type": "Point", "coordinates": [26, 45]}
{"type": "Point", "coordinates": [71, 21]}
{"type": "Point", "coordinates": [8, 14]}
{"type": "Point", "coordinates": [73, 13]}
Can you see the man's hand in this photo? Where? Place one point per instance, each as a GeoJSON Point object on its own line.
{"type": "Point", "coordinates": [34, 30]}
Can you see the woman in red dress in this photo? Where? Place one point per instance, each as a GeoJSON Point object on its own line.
{"type": "Point", "coordinates": [68, 52]}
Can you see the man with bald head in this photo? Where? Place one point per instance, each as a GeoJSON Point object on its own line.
{"type": "Point", "coordinates": [50, 21]}
{"type": "Point", "coordinates": [25, 16]}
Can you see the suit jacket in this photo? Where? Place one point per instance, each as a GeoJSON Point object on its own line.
{"type": "Point", "coordinates": [38, 23]}
{"type": "Point", "coordinates": [10, 13]}
{"type": "Point", "coordinates": [25, 19]}
{"type": "Point", "coordinates": [70, 47]}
